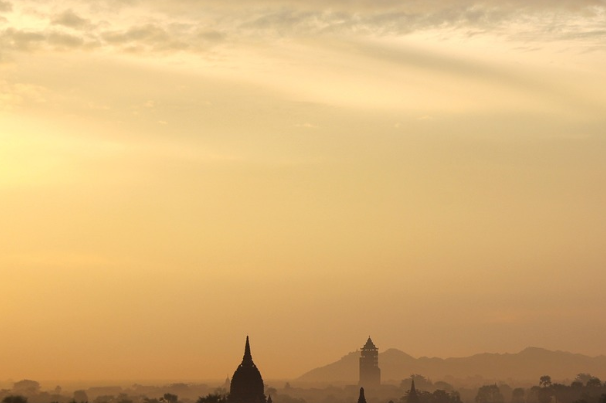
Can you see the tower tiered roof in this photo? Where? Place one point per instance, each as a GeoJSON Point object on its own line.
{"type": "Point", "coordinates": [369, 344]}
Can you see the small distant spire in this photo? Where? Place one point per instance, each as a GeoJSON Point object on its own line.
{"type": "Point", "coordinates": [247, 355]}
{"type": "Point", "coordinates": [361, 399]}
{"type": "Point", "coordinates": [269, 399]}
{"type": "Point", "coordinates": [413, 397]}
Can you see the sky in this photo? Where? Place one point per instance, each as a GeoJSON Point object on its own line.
{"type": "Point", "coordinates": [176, 175]}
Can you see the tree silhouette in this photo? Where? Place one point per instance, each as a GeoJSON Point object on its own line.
{"type": "Point", "coordinates": [544, 395]}
{"type": "Point", "coordinates": [14, 399]}
{"type": "Point", "coordinates": [518, 395]}
{"type": "Point", "coordinates": [442, 396]}
{"type": "Point", "coordinates": [27, 386]}
{"type": "Point", "coordinates": [169, 398]}
{"type": "Point", "coordinates": [583, 377]}
{"type": "Point", "coordinates": [489, 394]}
{"type": "Point", "coordinates": [594, 382]}
{"type": "Point", "coordinates": [212, 398]}
{"type": "Point", "coordinates": [80, 396]}
{"type": "Point", "coordinates": [545, 381]}
{"type": "Point", "coordinates": [123, 398]}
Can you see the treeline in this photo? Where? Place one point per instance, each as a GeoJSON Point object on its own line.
{"type": "Point", "coordinates": [584, 389]}
{"type": "Point", "coordinates": [28, 391]}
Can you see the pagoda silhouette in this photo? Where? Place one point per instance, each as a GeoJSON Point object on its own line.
{"type": "Point", "coordinates": [370, 373]}
{"type": "Point", "coordinates": [413, 396]}
{"type": "Point", "coordinates": [246, 383]}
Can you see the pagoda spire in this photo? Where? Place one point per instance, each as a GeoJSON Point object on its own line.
{"type": "Point", "coordinates": [247, 355]}
{"type": "Point", "coordinates": [361, 398]}
{"type": "Point", "coordinates": [413, 397]}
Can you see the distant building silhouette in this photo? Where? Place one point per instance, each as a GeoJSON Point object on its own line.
{"type": "Point", "coordinates": [247, 383]}
{"type": "Point", "coordinates": [370, 373]}
{"type": "Point", "coordinates": [413, 396]}
{"type": "Point", "coordinates": [361, 398]}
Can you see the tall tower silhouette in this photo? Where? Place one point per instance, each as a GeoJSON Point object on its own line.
{"type": "Point", "coordinates": [370, 373]}
{"type": "Point", "coordinates": [247, 383]}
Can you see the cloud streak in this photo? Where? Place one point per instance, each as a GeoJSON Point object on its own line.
{"type": "Point", "coordinates": [198, 26]}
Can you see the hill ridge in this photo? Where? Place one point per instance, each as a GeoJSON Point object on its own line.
{"type": "Point", "coordinates": [529, 363]}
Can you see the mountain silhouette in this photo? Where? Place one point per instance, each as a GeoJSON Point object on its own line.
{"type": "Point", "coordinates": [529, 364]}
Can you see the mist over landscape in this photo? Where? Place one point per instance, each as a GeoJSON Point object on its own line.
{"type": "Point", "coordinates": [482, 378]}
{"type": "Point", "coordinates": [526, 366]}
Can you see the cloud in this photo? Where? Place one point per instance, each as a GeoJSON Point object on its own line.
{"type": "Point", "coordinates": [28, 41]}
{"type": "Point", "coordinates": [280, 18]}
{"type": "Point", "coordinates": [64, 41]}
{"type": "Point", "coordinates": [200, 25]}
{"type": "Point", "coordinates": [21, 40]}
{"type": "Point", "coordinates": [70, 19]}
{"type": "Point", "coordinates": [212, 35]}
{"type": "Point", "coordinates": [5, 6]}
{"type": "Point", "coordinates": [155, 37]}
{"type": "Point", "coordinates": [137, 38]}
{"type": "Point", "coordinates": [362, 6]}
{"type": "Point", "coordinates": [391, 18]}
{"type": "Point", "coordinates": [149, 34]}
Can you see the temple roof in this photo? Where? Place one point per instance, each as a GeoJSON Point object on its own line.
{"type": "Point", "coordinates": [369, 344]}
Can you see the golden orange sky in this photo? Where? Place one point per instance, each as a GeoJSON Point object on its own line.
{"type": "Point", "coordinates": [175, 175]}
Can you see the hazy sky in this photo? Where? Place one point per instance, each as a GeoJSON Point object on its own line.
{"type": "Point", "coordinates": [177, 174]}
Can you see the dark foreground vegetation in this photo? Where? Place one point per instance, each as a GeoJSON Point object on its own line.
{"type": "Point", "coordinates": [584, 389]}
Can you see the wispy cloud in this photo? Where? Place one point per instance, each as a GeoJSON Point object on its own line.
{"type": "Point", "coordinates": [197, 26]}
{"type": "Point", "coordinates": [70, 19]}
